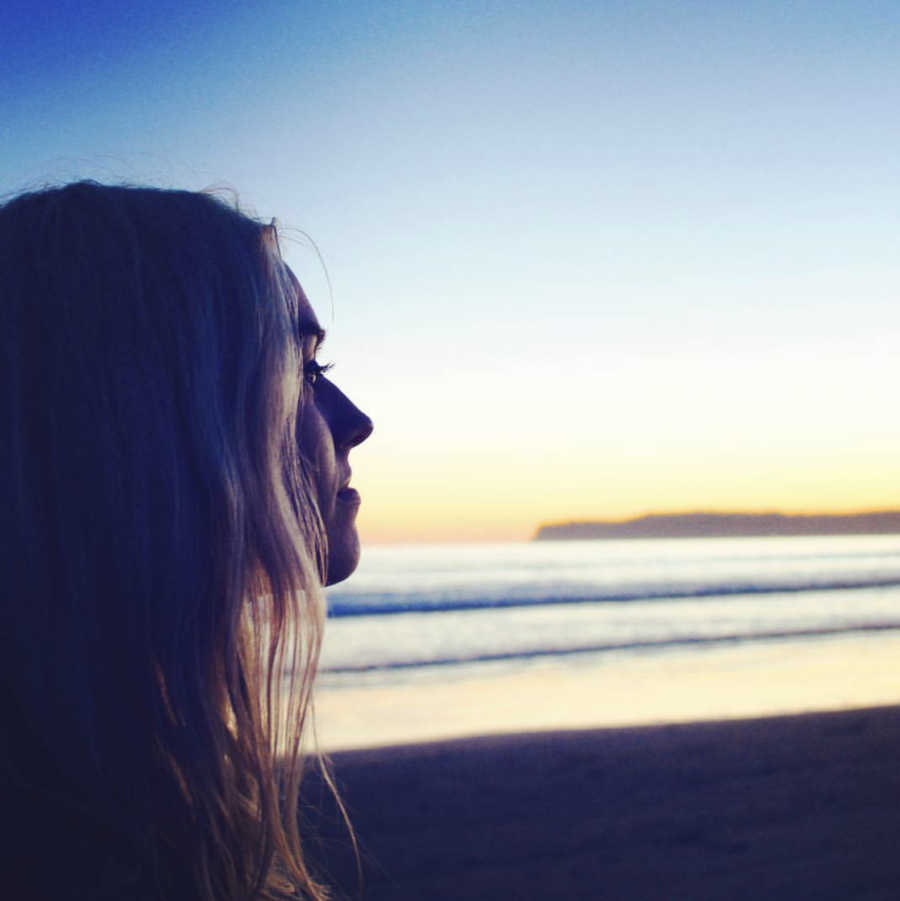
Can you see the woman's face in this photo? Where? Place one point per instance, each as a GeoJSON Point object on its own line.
{"type": "Point", "coordinates": [329, 427]}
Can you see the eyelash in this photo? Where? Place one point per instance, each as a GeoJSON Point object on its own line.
{"type": "Point", "coordinates": [312, 370]}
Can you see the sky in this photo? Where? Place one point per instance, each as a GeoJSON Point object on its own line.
{"type": "Point", "coordinates": [576, 260]}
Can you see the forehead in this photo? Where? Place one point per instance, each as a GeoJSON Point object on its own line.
{"type": "Point", "coordinates": [307, 322]}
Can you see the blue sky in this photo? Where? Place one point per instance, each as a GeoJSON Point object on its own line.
{"type": "Point", "coordinates": [587, 259]}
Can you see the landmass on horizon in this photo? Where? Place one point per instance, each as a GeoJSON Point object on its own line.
{"type": "Point", "coordinates": [720, 525]}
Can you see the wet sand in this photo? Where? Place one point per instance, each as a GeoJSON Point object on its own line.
{"type": "Point", "coordinates": [787, 807]}
{"type": "Point", "coordinates": [725, 681]}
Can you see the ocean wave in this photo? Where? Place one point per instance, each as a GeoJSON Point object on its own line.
{"type": "Point", "coordinates": [639, 645]}
{"type": "Point", "coordinates": [393, 604]}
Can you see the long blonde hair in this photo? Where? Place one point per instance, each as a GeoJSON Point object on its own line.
{"type": "Point", "coordinates": [163, 555]}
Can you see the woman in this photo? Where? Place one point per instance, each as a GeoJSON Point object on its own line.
{"type": "Point", "coordinates": [175, 496]}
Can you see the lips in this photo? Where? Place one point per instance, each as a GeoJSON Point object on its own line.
{"type": "Point", "coordinates": [346, 494]}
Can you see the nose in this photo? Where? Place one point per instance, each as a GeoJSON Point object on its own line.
{"type": "Point", "coordinates": [349, 425]}
{"type": "Point", "coordinates": [360, 429]}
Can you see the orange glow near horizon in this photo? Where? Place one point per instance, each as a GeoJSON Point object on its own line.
{"type": "Point", "coordinates": [510, 503]}
{"type": "Point", "coordinates": [490, 455]}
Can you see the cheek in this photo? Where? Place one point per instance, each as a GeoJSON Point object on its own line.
{"type": "Point", "coordinates": [317, 450]}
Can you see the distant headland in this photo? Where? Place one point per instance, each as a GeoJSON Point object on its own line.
{"type": "Point", "coordinates": [719, 525]}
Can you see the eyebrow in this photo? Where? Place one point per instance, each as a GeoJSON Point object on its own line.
{"type": "Point", "coordinates": [309, 328]}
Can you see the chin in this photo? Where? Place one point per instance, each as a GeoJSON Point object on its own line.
{"type": "Point", "coordinates": [343, 557]}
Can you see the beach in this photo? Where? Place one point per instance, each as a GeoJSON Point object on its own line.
{"type": "Point", "coordinates": [783, 807]}
{"type": "Point", "coordinates": [700, 719]}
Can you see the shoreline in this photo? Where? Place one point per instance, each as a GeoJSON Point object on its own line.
{"type": "Point", "coordinates": [778, 807]}
{"type": "Point", "coordinates": [614, 690]}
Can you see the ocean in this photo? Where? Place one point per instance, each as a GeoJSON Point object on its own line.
{"type": "Point", "coordinates": [419, 612]}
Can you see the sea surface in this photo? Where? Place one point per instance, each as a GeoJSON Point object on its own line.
{"type": "Point", "coordinates": [417, 612]}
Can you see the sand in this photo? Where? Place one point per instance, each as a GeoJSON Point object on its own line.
{"type": "Point", "coordinates": [788, 807]}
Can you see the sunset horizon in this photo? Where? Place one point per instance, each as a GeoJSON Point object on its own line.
{"type": "Point", "coordinates": [423, 536]}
